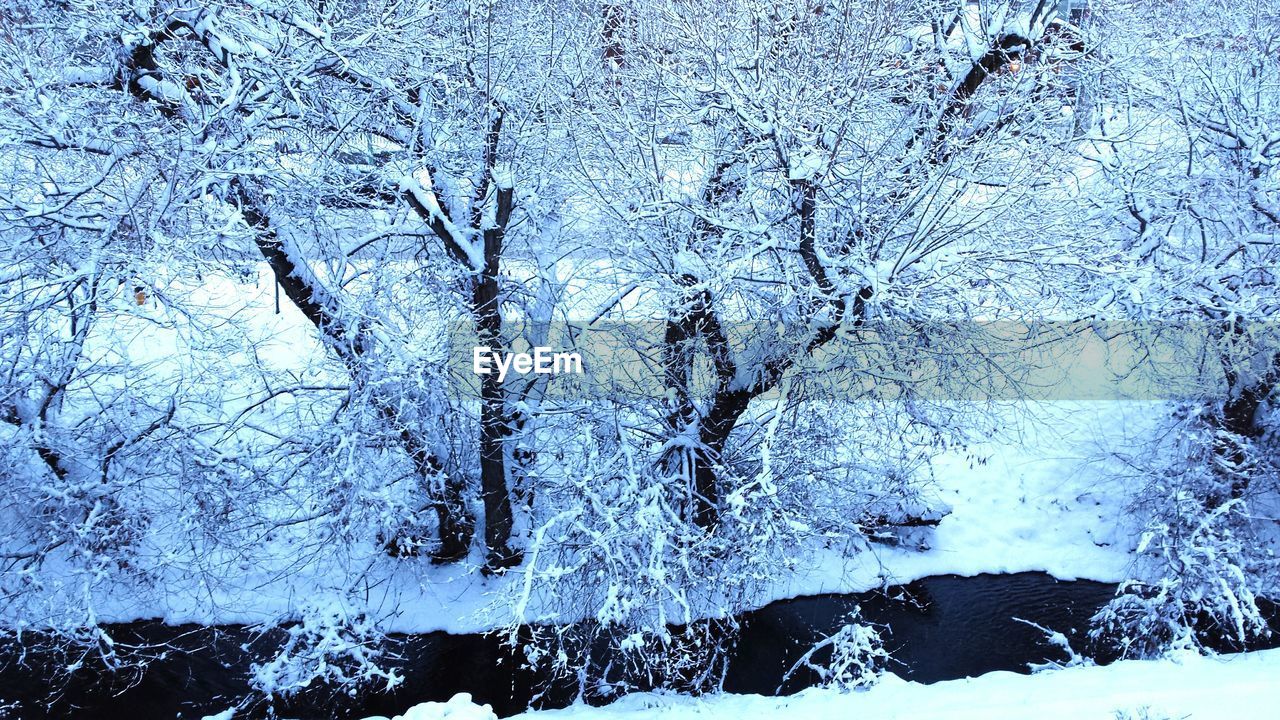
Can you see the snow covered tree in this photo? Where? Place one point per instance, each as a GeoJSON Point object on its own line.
{"type": "Point", "coordinates": [102, 433]}
{"type": "Point", "coordinates": [792, 240]}
{"type": "Point", "coordinates": [166, 148]}
{"type": "Point", "coordinates": [316, 122]}
{"type": "Point", "coordinates": [1186, 152]}
{"type": "Point", "coordinates": [806, 167]}
{"type": "Point", "coordinates": [809, 209]}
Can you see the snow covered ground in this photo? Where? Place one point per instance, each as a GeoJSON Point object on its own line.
{"type": "Point", "coordinates": [1231, 687]}
{"type": "Point", "coordinates": [1039, 495]}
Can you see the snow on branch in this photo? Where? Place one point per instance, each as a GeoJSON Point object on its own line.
{"type": "Point", "coordinates": [456, 241]}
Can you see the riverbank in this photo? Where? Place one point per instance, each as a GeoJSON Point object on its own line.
{"type": "Point", "coordinates": [1230, 687]}
{"type": "Point", "coordinates": [936, 629]}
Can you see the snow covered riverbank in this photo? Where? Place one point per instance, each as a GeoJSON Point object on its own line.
{"type": "Point", "coordinates": [1231, 687]}
{"type": "Point", "coordinates": [1040, 494]}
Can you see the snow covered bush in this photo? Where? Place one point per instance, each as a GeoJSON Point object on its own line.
{"type": "Point", "coordinates": [329, 647]}
{"type": "Point", "coordinates": [852, 657]}
{"type": "Point", "coordinates": [1205, 559]}
{"type": "Point", "coordinates": [622, 560]}
{"type": "Point", "coordinates": [653, 595]}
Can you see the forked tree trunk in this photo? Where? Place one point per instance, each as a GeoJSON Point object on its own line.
{"type": "Point", "coordinates": [698, 316]}
{"type": "Point", "coordinates": [486, 314]}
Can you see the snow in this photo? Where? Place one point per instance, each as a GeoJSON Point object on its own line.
{"type": "Point", "coordinates": [1039, 491]}
{"type": "Point", "coordinates": [427, 199]}
{"type": "Point", "coordinates": [459, 707]}
{"type": "Point", "coordinates": [805, 166]}
{"type": "Point", "coordinates": [1037, 496]}
{"type": "Point", "coordinates": [1231, 687]}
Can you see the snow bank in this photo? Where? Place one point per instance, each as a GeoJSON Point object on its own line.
{"type": "Point", "coordinates": [1038, 495]}
{"type": "Point", "coordinates": [1231, 687]}
{"type": "Point", "coordinates": [459, 707]}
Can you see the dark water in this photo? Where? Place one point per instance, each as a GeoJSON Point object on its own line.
{"type": "Point", "coordinates": [938, 628]}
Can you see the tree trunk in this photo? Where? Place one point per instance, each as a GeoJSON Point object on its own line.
{"type": "Point", "coordinates": [1237, 422]}
{"type": "Point", "coordinates": [486, 313]}
{"type": "Point", "coordinates": [455, 528]}
{"type": "Point", "coordinates": [493, 420]}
